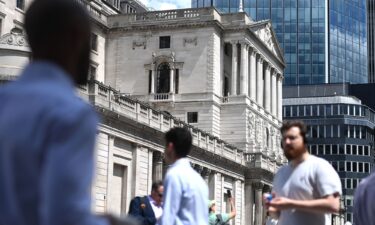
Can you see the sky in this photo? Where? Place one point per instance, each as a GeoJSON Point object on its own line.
{"type": "Point", "coordinates": [167, 4]}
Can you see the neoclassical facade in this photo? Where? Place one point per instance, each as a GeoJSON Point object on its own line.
{"type": "Point", "coordinates": [218, 75]}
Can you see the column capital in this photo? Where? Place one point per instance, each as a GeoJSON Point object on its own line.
{"type": "Point", "coordinates": [254, 52]}
{"type": "Point", "coordinates": [198, 168]}
{"type": "Point", "coordinates": [158, 156]}
{"type": "Point", "coordinates": [258, 185]}
{"type": "Point", "coordinates": [234, 42]}
{"type": "Point", "coordinates": [261, 59]}
{"type": "Point", "coordinates": [206, 171]}
{"type": "Point", "coordinates": [274, 74]}
{"type": "Point", "coordinates": [268, 67]}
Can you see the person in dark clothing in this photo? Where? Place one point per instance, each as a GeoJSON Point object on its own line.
{"type": "Point", "coordinates": [148, 209]}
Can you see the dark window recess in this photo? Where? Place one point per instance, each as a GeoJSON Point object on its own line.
{"type": "Point", "coordinates": [177, 81]}
{"type": "Point", "coordinates": [92, 72]}
{"type": "Point", "coordinates": [21, 4]}
{"type": "Point", "coordinates": [192, 117]}
{"type": "Point", "coordinates": [94, 42]}
{"type": "Point", "coordinates": [165, 42]}
{"type": "Point", "coordinates": [149, 80]}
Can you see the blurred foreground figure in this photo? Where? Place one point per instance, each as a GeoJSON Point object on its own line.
{"type": "Point", "coordinates": [47, 133]}
{"type": "Point", "coordinates": [364, 205]}
{"type": "Point", "coordinates": [306, 190]}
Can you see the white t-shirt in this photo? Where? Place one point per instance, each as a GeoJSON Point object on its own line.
{"type": "Point", "coordinates": [314, 178]}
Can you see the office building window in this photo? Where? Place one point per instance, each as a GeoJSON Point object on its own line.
{"type": "Point", "coordinates": [165, 42]}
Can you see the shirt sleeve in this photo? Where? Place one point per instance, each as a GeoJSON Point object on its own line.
{"type": "Point", "coordinates": [172, 199]}
{"type": "Point", "coordinates": [68, 170]}
{"type": "Point", "coordinates": [328, 181]}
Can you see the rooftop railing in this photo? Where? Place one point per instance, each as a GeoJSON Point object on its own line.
{"type": "Point", "coordinates": [106, 97]}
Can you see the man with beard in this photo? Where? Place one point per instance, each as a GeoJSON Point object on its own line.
{"type": "Point", "coordinates": [306, 190]}
{"type": "Point", "coordinates": [47, 133]}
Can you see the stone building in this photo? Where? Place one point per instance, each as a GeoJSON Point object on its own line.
{"type": "Point", "coordinates": [218, 75]}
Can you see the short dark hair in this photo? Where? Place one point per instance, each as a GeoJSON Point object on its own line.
{"type": "Point", "coordinates": [181, 139]}
{"type": "Point", "coordinates": [46, 21]}
{"type": "Point", "coordinates": [295, 123]}
{"type": "Point", "coordinates": [155, 186]}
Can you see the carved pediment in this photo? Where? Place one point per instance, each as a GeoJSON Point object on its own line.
{"type": "Point", "coordinates": [266, 34]}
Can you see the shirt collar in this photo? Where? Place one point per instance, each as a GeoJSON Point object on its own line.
{"type": "Point", "coordinates": [181, 162]}
{"type": "Point", "coordinates": [153, 202]}
{"type": "Point", "coordinates": [45, 70]}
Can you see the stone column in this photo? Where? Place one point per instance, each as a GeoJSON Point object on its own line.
{"type": "Point", "coordinates": [267, 91]}
{"type": "Point", "coordinates": [249, 203]}
{"type": "Point", "coordinates": [253, 74]}
{"type": "Point", "coordinates": [274, 95]}
{"type": "Point", "coordinates": [157, 170]}
{"type": "Point", "coordinates": [280, 97]}
{"type": "Point", "coordinates": [240, 7]}
{"type": "Point", "coordinates": [152, 78]}
{"type": "Point", "coordinates": [206, 174]}
{"type": "Point", "coordinates": [258, 203]}
{"type": "Point", "coordinates": [234, 68]}
{"type": "Point", "coordinates": [260, 81]}
{"type": "Point", "coordinates": [171, 80]}
{"type": "Point", "coordinates": [244, 69]}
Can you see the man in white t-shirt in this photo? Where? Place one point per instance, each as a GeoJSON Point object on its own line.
{"type": "Point", "coordinates": [306, 190]}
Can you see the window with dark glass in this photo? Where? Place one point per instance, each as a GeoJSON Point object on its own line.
{"type": "Point", "coordinates": [92, 72]}
{"type": "Point", "coordinates": [334, 150]}
{"type": "Point", "coordinates": [354, 150]}
{"type": "Point", "coordinates": [328, 149]}
{"type": "Point", "coordinates": [367, 168]}
{"type": "Point", "coordinates": [320, 149]}
{"type": "Point", "coordinates": [348, 167]}
{"type": "Point", "coordinates": [355, 167]}
{"type": "Point", "coordinates": [162, 78]}
{"type": "Point", "coordinates": [328, 110]}
{"type": "Point", "coordinates": [20, 4]}
{"type": "Point", "coordinates": [192, 117]}
{"type": "Point", "coordinates": [165, 42]}
{"type": "Point", "coordinates": [348, 150]}
{"type": "Point", "coordinates": [341, 150]}
{"type": "Point", "coordinates": [94, 42]}
{"type": "Point", "coordinates": [348, 183]}
{"type": "Point", "coordinates": [360, 150]}
{"type": "Point", "coordinates": [341, 166]}
{"type": "Point", "coordinates": [360, 167]}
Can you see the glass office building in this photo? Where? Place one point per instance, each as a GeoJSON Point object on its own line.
{"type": "Point", "coordinates": [323, 41]}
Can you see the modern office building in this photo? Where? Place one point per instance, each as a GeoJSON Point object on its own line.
{"type": "Point", "coordinates": [323, 41]}
{"type": "Point", "coordinates": [371, 40]}
{"type": "Point", "coordinates": [341, 130]}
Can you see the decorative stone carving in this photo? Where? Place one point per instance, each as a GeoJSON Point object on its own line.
{"type": "Point", "coordinates": [137, 44]}
{"type": "Point", "coordinates": [193, 41]}
{"type": "Point", "coordinates": [15, 37]}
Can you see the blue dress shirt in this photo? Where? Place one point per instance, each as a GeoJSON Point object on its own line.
{"type": "Point", "coordinates": [47, 137]}
{"type": "Point", "coordinates": [186, 196]}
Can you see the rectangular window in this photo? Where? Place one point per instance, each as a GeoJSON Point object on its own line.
{"type": "Point", "coordinates": [360, 150]}
{"type": "Point", "coordinates": [367, 168]}
{"type": "Point", "coordinates": [348, 150]}
{"type": "Point", "coordinates": [349, 183]}
{"type": "Point", "coordinates": [328, 149]}
{"type": "Point", "coordinates": [192, 117]}
{"type": "Point", "coordinates": [149, 80]}
{"type": "Point", "coordinates": [21, 4]}
{"type": "Point", "coordinates": [94, 42]}
{"type": "Point", "coordinates": [92, 72]}
{"type": "Point", "coordinates": [320, 149]}
{"type": "Point", "coordinates": [165, 42]}
{"type": "Point", "coordinates": [341, 166]}
{"type": "Point", "coordinates": [355, 167]}
{"type": "Point", "coordinates": [360, 167]}
{"type": "Point", "coordinates": [334, 150]}
{"type": "Point", "coordinates": [348, 167]}
{"type": "Point", "coordinates": [177, 80]}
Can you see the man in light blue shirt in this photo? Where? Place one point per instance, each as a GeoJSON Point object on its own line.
{"type": "Point", "coordinates": [185, 192]}
{"type": "Point", "coordinates": [47, 133]}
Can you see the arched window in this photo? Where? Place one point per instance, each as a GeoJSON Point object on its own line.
{"type": "Point", "coordinates": [163, 78]}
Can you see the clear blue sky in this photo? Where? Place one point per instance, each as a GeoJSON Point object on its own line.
{"type": "Point", "coordinates": [167, 4]}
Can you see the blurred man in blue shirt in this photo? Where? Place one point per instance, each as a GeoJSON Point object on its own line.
{"type": "Point", "coordinates": [47, 133]}
{"type": "Point", "coordinates": [185, 192]}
